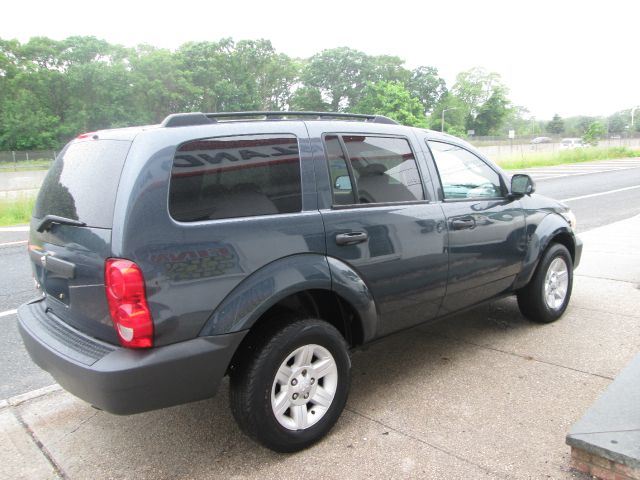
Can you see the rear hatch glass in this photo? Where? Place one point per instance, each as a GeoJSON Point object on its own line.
{"type": "Point", "coordinates": [81, 184]}
{"type": "Point", "coordinates": [67, 258]}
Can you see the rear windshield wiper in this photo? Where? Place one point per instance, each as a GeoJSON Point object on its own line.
{"type": "Point", "coordinates": [48, 220]}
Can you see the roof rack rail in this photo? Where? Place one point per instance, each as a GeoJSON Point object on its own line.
{"type": "Point", "coordinates": [186, 119]}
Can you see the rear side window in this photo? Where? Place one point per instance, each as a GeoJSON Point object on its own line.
{"type": "Point", "coordinates": [83, 181]}
{"type": "Point", "coordinates": [237, 176]}
{"type": "Point", "coordinates": [372, 169]}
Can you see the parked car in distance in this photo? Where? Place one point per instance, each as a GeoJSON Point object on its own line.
{"type": "Point", "coordinates": [570, 143]}
{"type": "Point", "coordinates": [266, 246]}
{"type": "Point", "coordinates": [539, 140]}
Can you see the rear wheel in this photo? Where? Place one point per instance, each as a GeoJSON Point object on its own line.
{"type": "Point", "coordinates": [291, 387]}
{"type": "Point", "coordinates": [547, 295]}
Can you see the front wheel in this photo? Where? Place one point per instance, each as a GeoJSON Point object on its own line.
{"type": "Point", "coordinates": [292, 386]}
{"type": "Point", "coordinates": [547, 295]}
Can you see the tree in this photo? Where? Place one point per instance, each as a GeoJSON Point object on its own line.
{"type": "Point", "coordinates": [386, 68]}
{"type": "Point", "coordinates": [594, 132]}
{"type": "Point", "coordinates": [26, 125]}
{"type": "Point", "coordinates": [556, 125]}
{"type": "Point", "coordinates": [266, 75]}
{"type": "Point", "coordinates": [491, 114]}
{"type": "Point", "coordinates": [159, 86]}
{"type": "Point", "coordinates": [454, 118]}
{"type": "Point", "coordinates": [618, 122]}
{"type": "Point", "coordinates": [474, 87]}
{"type": "Point", "coordinates": [427, 86]}
{"type": "Point", "coordinates": [339, 74]}
{"type": "Point", "coordinates": [393, 100]}
{"type": "Point", "coordinates": [310, 99]}
{"type": "Point", "coordinates": [519, 118]}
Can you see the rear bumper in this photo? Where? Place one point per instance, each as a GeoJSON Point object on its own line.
{"type": "Point", "coordinates": [120, 380]}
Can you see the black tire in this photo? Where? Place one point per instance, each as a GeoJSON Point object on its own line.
{"type": "Point", "coordinates": [253, 381]}
{"type": "Point", "coordinates": [531, 298]}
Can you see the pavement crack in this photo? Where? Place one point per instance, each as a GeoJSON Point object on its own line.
{"type": "Point", "coordinates": [432, 445]}
{"type": "Point", "coordinates": [526, 357]}
{"type": "Point", "coordinates": [77, 427]}
{"type": "Point", "coordinates": [34, 438]}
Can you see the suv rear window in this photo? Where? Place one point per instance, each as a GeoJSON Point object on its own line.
{"type": "Point", "coordinates": [83, 181]}
{"type": "Point", "coordinates": [237, 176]}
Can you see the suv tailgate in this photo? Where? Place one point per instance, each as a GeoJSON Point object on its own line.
{"type": "Point", "coordinates": [68, 252]}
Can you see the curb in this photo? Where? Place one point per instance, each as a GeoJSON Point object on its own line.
{"type": "Point", "coordinates": [25, 397]}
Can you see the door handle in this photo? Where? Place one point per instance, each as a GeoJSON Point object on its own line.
{"type": "Point", "coordinates": [351, 238]}
{"type": "Point", "coordinates": [465, 223]}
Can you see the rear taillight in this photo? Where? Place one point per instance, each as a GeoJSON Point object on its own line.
{"type": "Point", "coordinates": [128, 303]}
{"type": "Point", "coordinates": [84, 136]}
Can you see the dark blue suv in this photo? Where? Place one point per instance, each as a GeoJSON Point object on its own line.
{"type": "Point", "coordinates": [265, 246]}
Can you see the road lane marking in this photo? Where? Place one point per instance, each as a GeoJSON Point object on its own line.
{"type": "Point", "coordinates": [8, 312]}
{"type": "Point", "coordinates": [8, 244]}
{"type": "Point", "coordinates": [599, 194]}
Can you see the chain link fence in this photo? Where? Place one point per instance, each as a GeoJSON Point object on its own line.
{"type": "Point", "coordinates": [26, 160]}
{"type": "Point", "coordinates": [499, 148]}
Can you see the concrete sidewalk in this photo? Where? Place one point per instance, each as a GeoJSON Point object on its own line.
{"type": "Point", "coordinates": [483, 395]}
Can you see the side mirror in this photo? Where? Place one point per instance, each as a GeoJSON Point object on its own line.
{"type": "Point", "coordinates": [522, 185]}
{"type": "Point", "coordinates": [343, 183]}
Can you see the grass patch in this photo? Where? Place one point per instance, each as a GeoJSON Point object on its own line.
{"type": "Point", "coordinates": [37, 164]}
{"type": "Point", "coordinates": [13, 212]}
{"type": "Point", "coordinates": [566, 156]}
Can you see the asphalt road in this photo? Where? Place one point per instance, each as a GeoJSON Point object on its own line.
{"type": "Point", "coordinates": [598, 210]}
{"type": "Point", "coordinates": [19, 375]}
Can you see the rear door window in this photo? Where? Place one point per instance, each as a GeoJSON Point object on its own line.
{"type": "Point", "coordinates": [238, 176]}
{"type": "Point", "coordinates": [372, 169]}
{"type": "Point", "coordinates": [83, 181]}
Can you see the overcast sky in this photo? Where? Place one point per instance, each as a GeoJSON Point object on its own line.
{"type": "Point", "coordinates": [565, 57]}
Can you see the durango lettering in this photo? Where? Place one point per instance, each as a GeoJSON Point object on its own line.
{"type": "Point", "coordinates": [231, 155]}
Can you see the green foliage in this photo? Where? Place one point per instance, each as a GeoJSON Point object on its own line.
{"type": "Point", "coordinates": [52, 90]}
{"type": "Point", "coordinates": [617, 123]}
{"type": "Point", "coordinates": [492, 113]}
{"type": "Point", "coordinates": [454, 118]}
{"type": "Point", "coordinates": [474, 87]}
{"type": "Point", "coordinates": [393, 100]}
{"type": "Point", "coordinates": [484, 98]}
{"type": "Point", "coordinates": [567, 156]}
{"type": "Point", "coordinates": [427, 86]}
{"type": "Point", "coordinates": [518, 118]}
{"type": "Point", "coordinates": [339, 74]}
{"type": "Point", "coordinates": [594, 132]}
{"type": "Point", "coordinates": [14, 212]}
{"type": "Point", "coordinates": [556, 125]}
{"type": "Point", "coordinates": [309, 99]}
{"type": "Point", "coordinates": [26, 125]}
